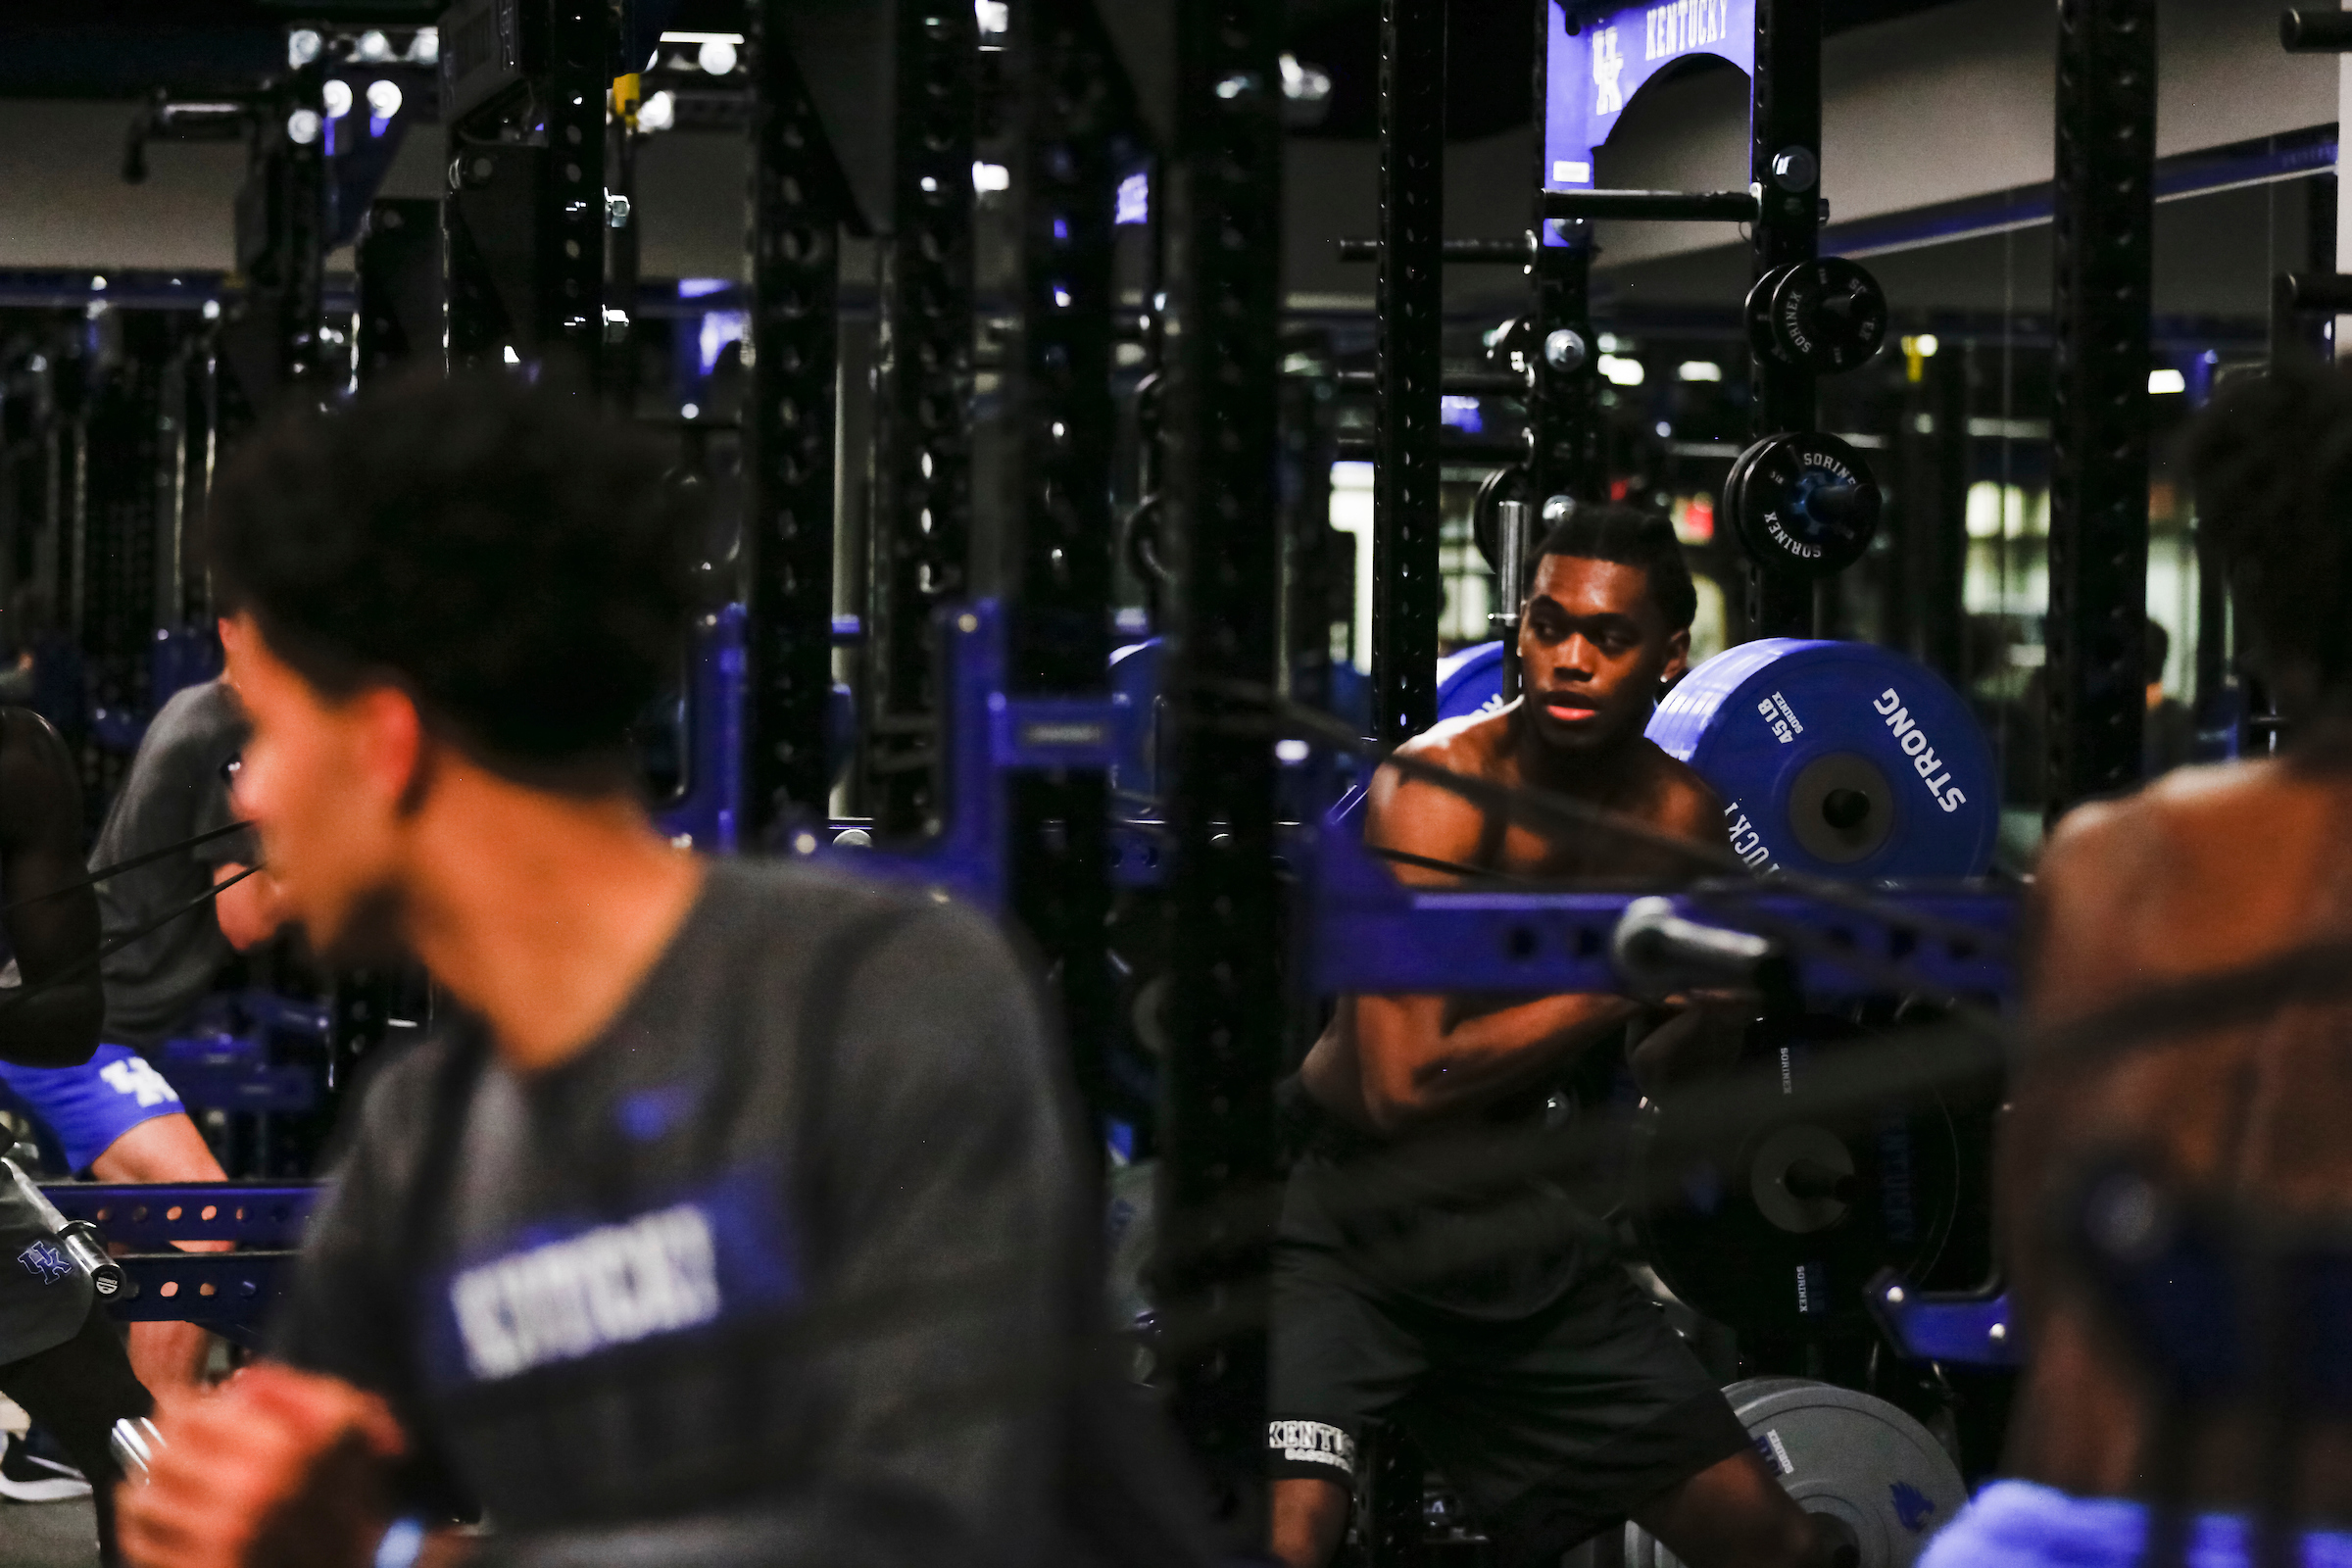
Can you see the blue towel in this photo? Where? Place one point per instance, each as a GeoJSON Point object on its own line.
{"type": "Point", "coordinates": [2016, 1524]}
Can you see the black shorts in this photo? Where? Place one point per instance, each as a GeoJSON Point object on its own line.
{"type": "Point", "coordinates": [1552, 1428]}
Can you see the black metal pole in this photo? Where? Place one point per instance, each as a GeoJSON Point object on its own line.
{"type": "Point", "coordinates": [398, 262]}
{"type": "Point", "coordinates": [787, 430]}
{"type": "Point", "coordinates": [1218, 1194]}
{"type": "Point", "coordinates": [1563, 375]}
{"type": "Point", "coordinates": [1073, 106]}
{"type": "Point", "coordinates": [570, 210]}
{"type": "Point", "coordinates": [1787, 167]}
{"type": "Point", "coordinates": [1408, 592]}
{"type": "Point", "coordinates": [2099, 396]}
{"type": "Point", "coordinates": [919, 539]}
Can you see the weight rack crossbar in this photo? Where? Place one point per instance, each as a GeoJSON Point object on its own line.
{"type": "Point", "coordinates": [1654, 206]}
{"type": "Point", "coordinates": [1453, 250]}
{"type": "Point", "coordinates": [264, 1214]}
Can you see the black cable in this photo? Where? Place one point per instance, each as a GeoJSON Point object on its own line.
{"type": "Point", "coordinates": [1425, 863]}
{"type": "Point", "coordinates": [22, 995]}
{"type": "Point", "coordinates": [121, 867]}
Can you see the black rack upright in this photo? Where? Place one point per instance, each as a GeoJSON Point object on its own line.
{"type": "Point", "coordinates": [2103, 239]}
{"type": "Point", "coordinates": [795, 219]}
{"type": "Point", "coordinates": [1217, 1194]}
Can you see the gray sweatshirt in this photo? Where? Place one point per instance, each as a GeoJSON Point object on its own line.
{"type": "Point", "coordinates": [791, 1265]}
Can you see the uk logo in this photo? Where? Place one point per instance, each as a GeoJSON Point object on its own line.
{"type": "Point", "coordinates": [132, 1076]}
{"type": "Point", "coordinates": [45, 1262]}
{"type": "Point", "coordinates": [1608, 65]}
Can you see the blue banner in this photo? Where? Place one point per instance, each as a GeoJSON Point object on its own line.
{"type": "Point", "coordinates": [1590, 76]}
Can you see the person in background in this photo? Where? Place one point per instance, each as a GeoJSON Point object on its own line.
{"type": "Point", "coordinates": [61, 1359]}
{"type": "Point", "coordinates": [116, 1116]}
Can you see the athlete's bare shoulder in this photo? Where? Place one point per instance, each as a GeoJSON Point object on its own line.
{"type": "Point", "coordinates": [2126, 890]}
{"type": "Point", "coordinates": [1423, 817]}
{"type": "Point", "coordinates": [1682, 802]}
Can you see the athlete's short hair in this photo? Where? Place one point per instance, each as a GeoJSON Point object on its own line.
{"type": "Point", "coordinates": [2271, 462]}
{"type": "Point", "coordinates": [1631, 537]}
{"type": "Point", "coordinates": [513, 560]}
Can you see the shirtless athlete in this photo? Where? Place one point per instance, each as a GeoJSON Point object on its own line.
{"type": "Point", "coordinates": [1549, 1388]}
{"type": "Point", "coordinates": [2207, 871]}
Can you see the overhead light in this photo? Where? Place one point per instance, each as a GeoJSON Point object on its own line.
{"type": "Point", "coordinates": [1610, 343]}
{"type": "Point", "coordinates": [301, 47]}
{"type": "Point", "coordinates": [716, 56]}
{"type": "Point", "coordinates": [512, 357]}
{"type": "Point", "coordinates": [2166, 383]}
{"type": "Point", "coordinates": [659, 112]}
{"type": "Point", "coordinates": [995, 15]}
{"type": "Point", "coordinates": [991, 176]}
{"type": "Point", "coordinates": [1303, 84]}
{"type": "Point", "coordinates": [336, 95]}
{"type": "Point", "coordinates": [373, 46]}
{"type": "Point", "coordinates": [1700, 371]}
{"type": "Point", "coordinates": [1621, 371]}
{"type": "Point", "coordinates": [425, 48]}
{"type": "Point", "coordinates": [1925, 345]}
{"type": "Point", "coordinates": [302, 126]}
{"type": "Point", "coordinates": [383, 99]}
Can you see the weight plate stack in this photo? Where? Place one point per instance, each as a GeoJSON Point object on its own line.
{"type": "Point", "coordinates": [1804, 503]}
{"type": "Point", "coordinates": [1845, 1456]}
{"type": "Point", "coordinates": [1839, 758]}
{"type": "Point", "coordinates": [1775, 1226]}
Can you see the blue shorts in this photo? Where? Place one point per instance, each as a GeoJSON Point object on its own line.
{"type": "Point", "coordinates": [2016, 1524]}
{"type": "Point", "coordinates": [88, 1107]}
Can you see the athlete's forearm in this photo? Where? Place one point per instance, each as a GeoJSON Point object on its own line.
{"type": "Point", "coordinates": [1416, 1064]}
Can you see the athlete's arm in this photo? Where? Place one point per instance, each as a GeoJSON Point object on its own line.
{"type": "Point", "coordinates": [1421, 1056]}
{"type": "Point", "coordinates": [251, 911]}
{"type": "Point", "coordinates": [54, 1020]}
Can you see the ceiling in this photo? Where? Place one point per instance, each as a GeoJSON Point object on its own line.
{"type": "Point", "coordinates": [126, 48]}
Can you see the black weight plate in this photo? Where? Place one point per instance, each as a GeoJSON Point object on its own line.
{"type": "Point", "coordinates": [1774, 1226]}
{"type": "Point", "coordinates": [1804, 503]}
{"type": "Point", "coordinates": [1827, 316]}
{"type": "Point", "coordinates": [1734, 483]}
{"type": "Point", "coordinates": [1508, 483]}
{"type": "Point", "coordinates": [1757, 312]}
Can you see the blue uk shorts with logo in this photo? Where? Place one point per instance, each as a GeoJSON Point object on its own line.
{"type": "Point", "coordinates": [85, 1108]}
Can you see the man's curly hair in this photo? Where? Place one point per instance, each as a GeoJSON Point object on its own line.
{"type": "Point", "coordinates": [514, 561]}
{"type": "Point", "coordinates": [2271, 462]}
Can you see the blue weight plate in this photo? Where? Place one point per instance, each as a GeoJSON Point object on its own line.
{"type": "Point", "coordinates": [1470, 681]}
{"type": "Point", "coordinates": [1838, 759]}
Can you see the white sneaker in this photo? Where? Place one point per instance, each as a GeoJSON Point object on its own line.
{"type": "Point", "coordinates": [25, 1477]}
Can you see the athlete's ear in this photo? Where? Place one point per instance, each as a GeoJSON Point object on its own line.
{"type": "Point", "coordinates": [396, 752]}
{"type": "Point", "coordinates": [1678, 657]}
